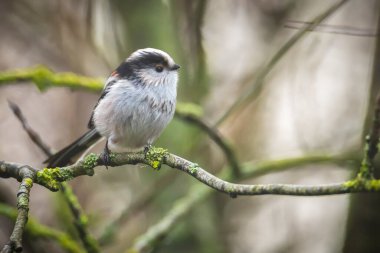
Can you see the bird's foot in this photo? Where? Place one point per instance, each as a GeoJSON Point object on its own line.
{"type": "Point", "coordinates": [106, 156]}
{"type": "Point", "coordinates": [146, 149]}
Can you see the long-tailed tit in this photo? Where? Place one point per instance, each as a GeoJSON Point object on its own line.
{"type": "Point", "coordinates": [137, 103]}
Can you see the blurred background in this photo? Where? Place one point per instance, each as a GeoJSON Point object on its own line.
{"type": "Point", "coordinates": [316, 100]}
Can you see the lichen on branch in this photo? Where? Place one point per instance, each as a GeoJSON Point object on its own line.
{"type": "Point", "coordinates": [157, 156]}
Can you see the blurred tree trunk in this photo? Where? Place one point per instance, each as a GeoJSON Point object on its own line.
{"type": "Point", "coordinates": [363, 224]}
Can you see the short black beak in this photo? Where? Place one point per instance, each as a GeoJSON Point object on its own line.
{"type": "Point", "coordinates": [175, 67]}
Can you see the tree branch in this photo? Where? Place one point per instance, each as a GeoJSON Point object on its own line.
{"type": "Point", "coordinates": [185, 111]}
{"type": "Point", "coordinates": [156, 156]}
{"type": "Point", "coordinates": [50, 178]}
{"type": "Point", "coordinates": [80, 218]}
{"type": "Point", "coordinates": [37, 230]}
{"type": "Point", "coordinates": [198, 193]}
{"type": "Point", "coordinates": [45, 78]}
{"type": "Point", "coordinates": [15, 242]}
{"type": "Point", "coordinates": [158, 232]}
{"type": "Point", "coordinates": [28, 129]}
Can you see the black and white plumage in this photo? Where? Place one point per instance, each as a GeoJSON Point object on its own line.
{"type": "Point", "coordinates": [137, 103]}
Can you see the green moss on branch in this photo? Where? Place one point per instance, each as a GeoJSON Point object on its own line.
{"type": "Point", "coordinates": [45, 78]}
{"type": "Point", "coordinates": [51, 177]}
{"type": "Point", "coordinates": [39, 231]}
{"type": "Point", "coordinates": [155, 157]}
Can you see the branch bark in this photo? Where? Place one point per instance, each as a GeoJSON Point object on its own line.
{"type": "Point", "coordinates": [50, 178]}
{"type": "Point", "coordinates": [80, 218]}
{"type": "Point", "coordinates": [37, 230]}
{"type": "Point", "coordinates": [15, 242]}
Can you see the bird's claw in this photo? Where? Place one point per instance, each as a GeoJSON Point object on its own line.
{"type": "Point", "coordinates": [146, 149]}
{"type": "Point", "coordinates": [106, 156]}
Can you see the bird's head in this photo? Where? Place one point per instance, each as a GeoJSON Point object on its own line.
{"type": "Point", "coordinates": [149, 66]}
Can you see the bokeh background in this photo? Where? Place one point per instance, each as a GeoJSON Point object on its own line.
{"type": "Point", "coordinates": [316, 100]}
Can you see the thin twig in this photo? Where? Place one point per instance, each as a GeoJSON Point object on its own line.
{"type": "Point", "coordinates": [328, 28]}
{"type": "Point", "coordinates": [29, 130]}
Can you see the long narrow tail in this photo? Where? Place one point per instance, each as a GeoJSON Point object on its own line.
{"type": "Point", "coordinates": [63, 157]}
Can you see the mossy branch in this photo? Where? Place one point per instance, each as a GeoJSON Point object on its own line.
{"type": "Point", "coordinates": [157, 156]}
{"type": "Point", "coordinates": [15, 242]}
{"type": "Point", "coordinates": [37, 230]}
{"type": "Point", "coordinates": [45, 78]}
{"type": "Point", "coordinates": [156, 233]}
{"type": "Point", "coordinates": [80, 218]}
{"type": "Point", "coordinates": [197, 193]}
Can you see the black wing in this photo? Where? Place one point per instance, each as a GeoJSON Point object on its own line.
{"type": "Point", "coordinates": [63, 157]}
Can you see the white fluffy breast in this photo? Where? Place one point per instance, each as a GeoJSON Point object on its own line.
{"type": "Point", "coordinates": [132, 116]}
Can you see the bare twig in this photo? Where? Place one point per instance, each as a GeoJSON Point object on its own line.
{"type": "Point", "coordinates": [29, 130]}
{"type": "Point", "coordinates": [327, 28]}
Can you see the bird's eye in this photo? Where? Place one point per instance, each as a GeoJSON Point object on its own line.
{"type": "Point", "coordinates": [159, 68]}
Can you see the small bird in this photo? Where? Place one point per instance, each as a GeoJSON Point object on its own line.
{"type": "Point", "coordinates": [137, 103]}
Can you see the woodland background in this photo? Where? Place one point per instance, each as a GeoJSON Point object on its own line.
{"type": "Point", "coordinates": [315, 101]}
